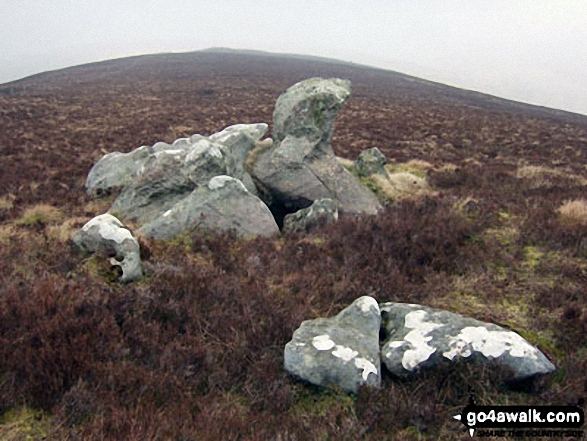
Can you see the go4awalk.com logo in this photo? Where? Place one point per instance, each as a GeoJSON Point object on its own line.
{"type": "Point", "coordinates": [522, 421]}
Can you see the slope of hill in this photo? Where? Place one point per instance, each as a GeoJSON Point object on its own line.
{"type": "Point", "coordinates": [195, 350]}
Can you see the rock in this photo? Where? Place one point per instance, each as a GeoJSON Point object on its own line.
{"type": "Point", "coordinates": [222, 205]}
{"type": "Point", "coordinates": [238, 140]}
{"type": "Point", "coordinates": [301, 167]}
{"type": "Point", "coordinates": [106, 233]}
{"type": "Point", "coordinates": [321, 212]}
{"type": "Point", "coordinates": [308, 108]}
{"type": "Point", "coordinates": [343, 350]}
{"type": "Point", "coordinates": [370, 162]}
{"type": "Point", "coordinates": [421, 337]}
{"type": "Point", "coordinates": [115, 170]}
{"type": "Point", "coordinates": [159, 187]}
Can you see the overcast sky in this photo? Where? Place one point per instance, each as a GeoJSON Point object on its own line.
{"type": "Point", "coordinates": [527, 50]}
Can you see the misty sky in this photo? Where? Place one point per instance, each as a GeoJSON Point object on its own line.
{"type": "Point", "coordinates": [528, 50]}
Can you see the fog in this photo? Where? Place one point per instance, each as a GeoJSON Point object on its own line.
{"type": "Point", "coordinates": [526, 50]}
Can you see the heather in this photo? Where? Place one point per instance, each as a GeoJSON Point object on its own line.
{"type": "Point", "coordinates": [195, 351]}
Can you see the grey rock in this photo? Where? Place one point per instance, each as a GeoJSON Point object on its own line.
{"type": "Point", "coordinates": [115, 170]}
{"type": "Point", "coordinates": [107, 233]}
{"type": "Point", "coordinates": [224, 204]}
{"type": "Point", "coordinates": [321, 212]}
{"type": "Point", "coordinates": [308, 108]}
{"type": "Point", "coordinates": [204, 160]}
{"type": "Point", "coordinates": [342, 350]}
{"type": "Point", "coordinates": [159, 186]}
{"type": "Point", "coordinates": [421, 337]}
{"type": "Point", "coordinates": [238, 140]}
{"type": "Point", "coordinates": [301, 167]}
{"type": "Point", "coordinates": [370, 162]}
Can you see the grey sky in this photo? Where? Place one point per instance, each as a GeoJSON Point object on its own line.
{"type": "Point", "coordinates": [528, 50]}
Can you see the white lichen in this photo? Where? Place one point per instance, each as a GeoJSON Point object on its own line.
{"type": "Point", "coordinates": [367, 366]}
{"type": "Point", "coordinates": [220, 181]}
{"type": "Point", "coordinates": [344, 353]}
{"type": "Point", "coordinates": [365, 303]}
{"type": "Point", "coordinates": [491, 344]}
{"type": "Point", "coordinates": [418, 339]}
{"type": "Point", "coordinates": [323, 342]}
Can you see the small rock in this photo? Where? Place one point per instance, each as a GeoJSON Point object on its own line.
{"type": "Point", "coordinates": [321, 212]}
{"type": "Point", "coordinates": [106, 233]}
{"type": "Point", "coordinates": [370, 162]}
{"type": "Point", "coordinates": [342, 350]}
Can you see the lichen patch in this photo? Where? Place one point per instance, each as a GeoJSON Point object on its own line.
{"type": "Point", "coordinates": [491, 344]}
{"type": "Point", "coordinates": [323, 342]}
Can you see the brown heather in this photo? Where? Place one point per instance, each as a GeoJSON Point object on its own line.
{"type": "Point", "coordinates": [195, 351]}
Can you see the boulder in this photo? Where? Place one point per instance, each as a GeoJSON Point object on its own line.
{"type": "Point", "coordinates": [419, 337]}
{"type": "Point", "coordinates": [107, 233]}
{"type": "Point", "coordinates": [370, 162]}
{"type": "Point", "coordinates": [342, 350]}
{"type": "Point", "coordinates": [308, 108]}
{"type": "Point", "coordinates": [301, 167]}
{"type": "Point", "coordinates": [224, 204]}
{"type": "Point", "coordinates": [321, 212]}
{"type": "Point", "coordinates": [162, 183]}
{"type": "Point", "coordinates": [115, 170]}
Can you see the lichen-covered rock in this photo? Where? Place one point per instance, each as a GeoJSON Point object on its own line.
{"type": "Point", "coordinates": [301, 166]}
{"type": "Point", "coordinates": [115, 170]}
{"type": "Point", "coordinates": [106, 233]}
{"type": "Point", "coordinates": [224, 204]}
{"type": "Point", "coordinates": [342, 350]}
{"type": "Point", "coordinates": [321, 212]}
{"type": "Point", "coordinates": [238, 140]}
{"type": "Point", "coordinates": [161, 184]}
{"type": "Point", "coordinates": [370, 162]}
{"type": "Point", "coordinates": [418, 336]}
{"type": "Point", "coordinates": [308, 108]}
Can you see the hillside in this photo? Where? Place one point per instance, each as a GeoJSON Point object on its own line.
{"type": "Point", "coordinates": [195, 351]}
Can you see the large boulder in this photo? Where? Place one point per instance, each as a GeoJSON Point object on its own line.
{"type": "Point", "coordinates": [301, 167]}
{"type": "Point", "coordinates": [342, 350]}
{"type": "Point", "coordinates": [223, 205]}
{"type": "Point", "coordinates": [106, 233]}
{"type": "Point", "coordinates": [162, 183]}
{"type": "Point", "coordinates": [419, 337]}
{"type": "Point", "coordinates": [115, 170]}
{"type": "Point", "coordinates": [321, 212]}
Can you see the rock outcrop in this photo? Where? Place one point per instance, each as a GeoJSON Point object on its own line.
{"type": "Point", "coordinates": [106, 233]}
{"type": "Point", "coordinates": [168, 186]}
{"type": "Point", "coordinates": [343, 350]}
{"type": "Point", "coordinates": [301, 167]}
{"type": "Point", "coordinates": [420, 337]}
